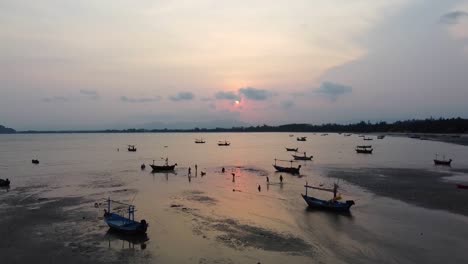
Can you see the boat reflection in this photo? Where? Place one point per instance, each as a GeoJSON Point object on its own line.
{"type": "Point", "coordinates": [116, 239]}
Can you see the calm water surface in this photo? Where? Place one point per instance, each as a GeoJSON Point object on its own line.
{"type": "Point", "coordinates": [224, 221]}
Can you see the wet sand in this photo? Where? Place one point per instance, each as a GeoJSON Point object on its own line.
{"type": "Point", "coordinates": [419, 187]}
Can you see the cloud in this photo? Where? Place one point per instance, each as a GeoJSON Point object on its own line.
{"type": "Point", "coordinates": [222, 95]}
{"type": "Point", "coordinates": [333, 90]}
{"type": "Point", "coordinates": [90, 94]}
{"type": "Point", "coordinates": [182, 96]}
{"type": "Point", "coordinates": [453, 17]}
{"type": "Point", "coordinates": [288, 104]}
{"type": "Point", "coordinates": [255, 94]}
{"type": "Point", "coordinates": [58, 99]}
{"type": "Point", "coordinates": [140, 100]}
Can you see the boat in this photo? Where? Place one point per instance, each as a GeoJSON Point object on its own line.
{"type": "Point", "coordinates": [224, 143]}
{"type": "Point", "coordinates": [332, 205]}
{"type": "Point", "coordinates": [35, 161]}
{"type": "Point", "coordinates": [4, 183]}
{"type": "Point", "coordinates": [291, 169]}
{"type": "Point", "coordinates": [292, 149]}
{"type": "Point", "coordinates": [131, 148]}
{"type": "Point", "coordinates": [325, 134]}
{"type": "Point", "coordinates": [414, 136]}
{"type": "Point", "coordinates": [200, 141]}
{"type": "Point", "coordinates": [368, 138]}
{"type": "Point", "coordinates": [462, 186]}
{"type": "Point", "coordinates": [165, 167]}
{"type": "Point", "coordinates": [381, 137]}
{"type": "Point", "coordinates": [291, 135]}
{"type": "Point", "coordinates": [122, 224]}
{"type": "Point", "coordinates": [305, 157]}
{"type": "Point", "coordinates": [347, 135]}
{"type": "Point", "coordinates": [442, 161]}
{"type": "Point", "coordinates": [301, 138]}
{"type": "Point", "coordinates": [361, 136]}
{"type": "Point", "coordinates": [364, 149]}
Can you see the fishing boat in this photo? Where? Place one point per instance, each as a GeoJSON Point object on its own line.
{"type": "Point", "coordinates": [361, 136]}
{"type": "Point", "coordinates": [292, 149]}
{"type": "Point", "coordinates": [165, 167]}
{"type": "Point", "coordinates": [305, 157]}
{"type": "Point", "coordinates": [332, 205]}
{"type": "Point", "coordinates": [200, 141]}
{"type": "Point", "coordinates": [4, 183]}
{"type": "Point", "coordinates": [462, 186]}
{"type": "Point", "coordinates": [364, 149]}
{"type": "Point", "coordinates": [224, 143]}
{"type": "Point", "coordinates": [122, 224]}
{"type": "Point", "coordinates": [442, 161]}
{"type": "Point", "coordinates": [301, 138]}
{"type": "Point", "coordinates": [368, 138]}
{"type": "Point", "coordinates": [35, 161]}
{"type": "Point", "coordinates": [347, 135]}
{"type": "Point", "coordinates": [131, 148]}
{"type": "Point", "coordinates": [381, 137]}
{"type": "Point", "coordinates": [291, 135]}
{"type": "Point", "coordinates": [290, 169]}
{"type": "Point", "coordinates": [325, 134]}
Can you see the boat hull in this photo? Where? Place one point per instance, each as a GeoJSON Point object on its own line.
{"type": "Point", "coordinates": [442, 162]}
{"type": "Point", "coordinates": [290, 170]}
{"type": "Point", "coordinates": [364, 151]}
{"type": "Point", "coordinates": [292, 149]}
{"type": "Point", "coordinates": [4, 183]}
{"type": "Point", "coordinates": [157, 168]}
{"type": "Point", "coordinates": [124, 225]}
{"type": "Point", "coordinates": [302, 157]}
{"type": "Point", "coordinates": [328, 205]}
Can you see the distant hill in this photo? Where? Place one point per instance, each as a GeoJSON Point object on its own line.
{"type": "Point", "coordinates": [6, 130]}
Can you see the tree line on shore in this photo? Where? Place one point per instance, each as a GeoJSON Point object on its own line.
{"type": "Point", "coordinates": [430, 125]}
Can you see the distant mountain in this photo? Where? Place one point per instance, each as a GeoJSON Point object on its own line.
{"type": "Point", "coordinates": [6, 130]}
{"type": "Point", "coordinates": [191, 125]}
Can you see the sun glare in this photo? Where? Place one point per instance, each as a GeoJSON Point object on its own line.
{"type": "Point", "coordinates": [237, 102]}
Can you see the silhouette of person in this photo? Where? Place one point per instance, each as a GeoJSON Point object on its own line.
{"type": "Point", "coordinates": [268, 180]}
{"type": "Point", "coordinates": [281, 178]}
{"type": "Point", "coordinates": [190, 171]}
{"type": "Point", "coordinates": [223, 170]}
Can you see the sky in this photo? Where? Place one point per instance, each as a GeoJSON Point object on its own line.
{"type": "Point", "coordinates": [69, 64]}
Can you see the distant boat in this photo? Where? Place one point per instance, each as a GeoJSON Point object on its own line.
{"type": "Point", "coordinates": [292, 149]}
{"type": "Point", "coordinates": [364, 149]}
{"type": "Point", "coordinates": [35, 161]}
{"type": "Point", "coordinates": [331, 205]}
{"type": "Point", "coordinates": [122, 224]}
{"type": "Point", "coordinates": [165, 167]}
{"type": "Point", "coordinates": [414, 136]}
{"type": "Point", "coordinates": [442, 161]}
{"type": "Point", "coordinates": [325, 134]}
{"type": "Point", "coordinates": [200, 141]}
{"type": "Point", "coordinates": [131, 148]}
{"type": "Point", "coordinates": [301, 138]}
{"type": "Point", "coordinates": [305, 157]}
{"type": "Point", "coordinates": [381, 137]}
{"type": "Point", "coordinates": [361, 136]}
{"type": "Point", "coordinates": [347, 135]}
{"type": "Point", "coordinates": [368, 138]}
{"type": "Point", "coordinates": [224, 143]}
{"type": "Point", "coordinates": [462, 186]}
{"type": "Point", "coordinates": [291, 135]}
{"type": "Point", "coordinates": [4, 183]}
{"type": "Point", "coordinates": [291, 169]}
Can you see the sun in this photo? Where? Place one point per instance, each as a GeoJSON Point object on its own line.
{"type": "Point", "coordinates": [237, 102]}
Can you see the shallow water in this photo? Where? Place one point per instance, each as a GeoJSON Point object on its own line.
{"type": "Point", "coordinates": [213, 219]}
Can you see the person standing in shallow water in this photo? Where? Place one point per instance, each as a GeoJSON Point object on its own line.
{"type": "Point", "coordinates": [190, 171]}
{"type": "Point", "coordinates": [223, 170]}
{"type": "Point", "coordinates": [268, 180]}
{"type": "Point", "coordinates": [281, 178]}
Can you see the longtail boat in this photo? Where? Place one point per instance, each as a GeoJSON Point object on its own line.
{"type": "Point", "coordinates": [332, 204]}
{"type": "Point", "coordinates": [305, 157]}
{"type": "Point", "coordinates": [381, 137]}
{"type": "Point", "coordinates": [290, 169]}
{"type": "Point", "coordinates": [364, 149]}
{"type": "Point", "coordinates": [200, 141]}
{"type": "Point", "coordinates": [4, 183]}
{"type": "Point", "coordinates": [224, 143]}
{"type": "Point", "coordinates": [443, 161]}
{"type": "Point", "coordinates": [292, 149]}
{"type": "Point", "coordinates": [165, 167]}
{"type": "Point", "coordinates": [301, 139]}
{"type": "Point", "coordinates": [131, 148]}
{"type": "Point", "coordinates": [122, 224]}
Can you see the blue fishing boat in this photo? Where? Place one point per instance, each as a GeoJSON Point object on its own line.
{"type": "Point", "coordinates": [331, 205]}
{"type": "Point", "coordinates": [290, 169]}
{"type": "Point", "coordinates": [122, 224]}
